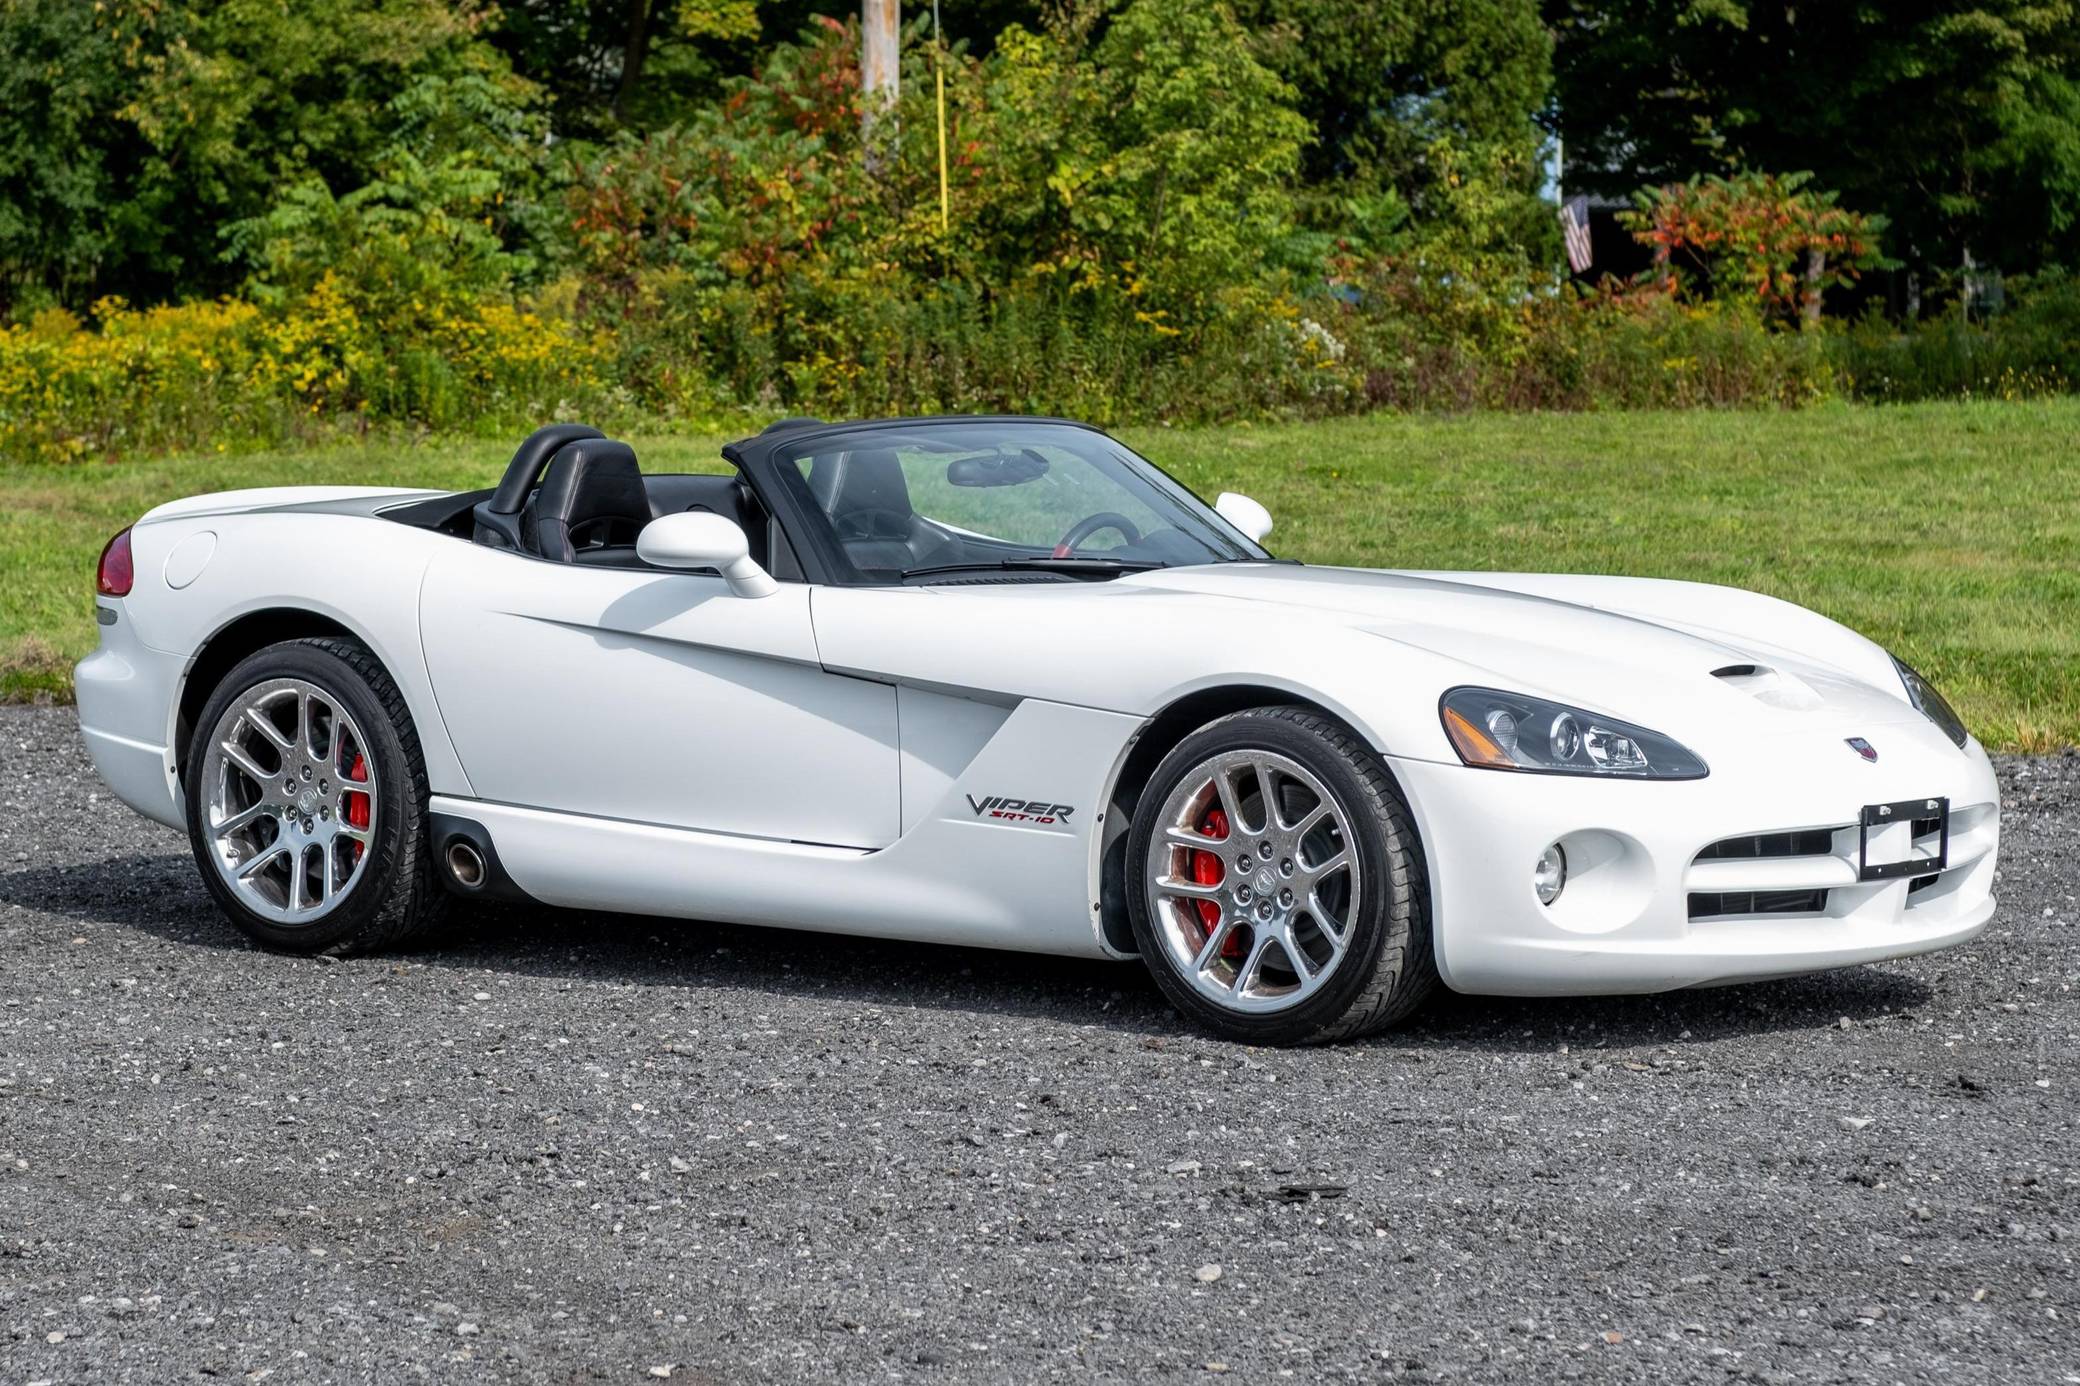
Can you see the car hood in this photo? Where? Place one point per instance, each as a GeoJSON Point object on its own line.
{"type": "Point", "coordinates": [1646, 650]}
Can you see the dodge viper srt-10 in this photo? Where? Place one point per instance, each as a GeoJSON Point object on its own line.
{"type": "Point", "coordinates": [1000, 682]}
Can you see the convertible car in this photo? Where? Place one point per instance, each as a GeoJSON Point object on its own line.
{"type": "Point", "coordinates": [1001, 682]}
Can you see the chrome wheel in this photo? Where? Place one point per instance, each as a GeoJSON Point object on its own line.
{"type": "Point", "coordinates": [1252, 881]}
{"type": "Point", "coordinates": [288, 797]}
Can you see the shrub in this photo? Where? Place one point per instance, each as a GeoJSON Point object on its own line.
{"type": "Point", "coordinates": [236, 373]}
{"type": "Point", "coordinates": [2030, 348]}
{"type": "Point", "coordinates": [1765, 236]}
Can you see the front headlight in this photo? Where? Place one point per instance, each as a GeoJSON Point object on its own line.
{"type": "Point", "coordinates": [1931, 704]}
{"type": "Point", "coordinates": [1512, 731]}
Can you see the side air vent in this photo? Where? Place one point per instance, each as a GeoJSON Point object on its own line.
{"type": "Point", "coordinates": [1808, 842]}
{"type": "Point", "coordinates": [1721, 904]}
{"type": "Point", "coordinates": [1738, 671]}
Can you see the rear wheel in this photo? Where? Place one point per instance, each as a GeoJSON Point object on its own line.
{"type": "Point", "coordinates": [306, 800]}
{"type": "Point", "coordinates": [1281, 896]}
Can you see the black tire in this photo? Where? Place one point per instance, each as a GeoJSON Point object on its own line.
{"type": "Point", "coordinates": [397, 893]}
{"type": "Point", "coordinates": [1388, 968]}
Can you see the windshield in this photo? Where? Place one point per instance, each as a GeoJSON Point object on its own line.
{"type": "Point", "coordinates": [911, 502]}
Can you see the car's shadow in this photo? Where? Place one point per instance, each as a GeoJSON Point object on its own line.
{"type": "Point", "coordinates": [159, 895]}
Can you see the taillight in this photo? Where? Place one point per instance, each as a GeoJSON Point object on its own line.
{"type": "Point", "coordinates": [115, 575]}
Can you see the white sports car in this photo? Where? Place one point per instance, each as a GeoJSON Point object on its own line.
{"type": "Point", "coordinates": [1001, 682]}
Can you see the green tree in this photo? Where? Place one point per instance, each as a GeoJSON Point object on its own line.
{"type": "Point", "coordinates": [1956, 120]}
{"type": "Point", "coordinates": [135, 132]}
{"type": "Point", "coordinates": [66, 155]}
{"type": "Point", "coordinates": [1383, 83]}
{"type": "Point", "coordinates": [438, 216]}
{"type": "Point", "coordinates": [1165, 150]}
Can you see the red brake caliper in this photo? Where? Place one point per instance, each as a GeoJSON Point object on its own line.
{"type": "Point", "coordinates": [1207, 870]}
{"type": "Point", "coordinates": [354, 805]}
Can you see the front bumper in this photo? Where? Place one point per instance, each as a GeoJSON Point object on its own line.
{"type": "Point", "coordinates": [1624, 922]}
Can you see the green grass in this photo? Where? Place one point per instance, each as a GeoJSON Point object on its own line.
{"type": "Point", "coordinates": [1950, 533]}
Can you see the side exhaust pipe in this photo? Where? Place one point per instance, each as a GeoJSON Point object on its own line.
{"type": "Point", "coordinates": [465, 864]}
{"type": "Point", "coordinates": [467, 859]}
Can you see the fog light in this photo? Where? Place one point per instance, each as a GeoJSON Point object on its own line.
{"type": "Point", "coordinates": [1549, 877]}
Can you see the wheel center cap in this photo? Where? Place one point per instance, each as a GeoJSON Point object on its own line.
{"type": "Point", "coordinates": [307, 802]}
{"type": "Point", "coordinates": [1267, 880]}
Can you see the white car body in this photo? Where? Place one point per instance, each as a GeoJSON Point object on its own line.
{"type": "Point", "coordinates": [826, 757]}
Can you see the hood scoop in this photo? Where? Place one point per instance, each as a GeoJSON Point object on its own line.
{"type": "Point", "coordinates": [1770, 687]}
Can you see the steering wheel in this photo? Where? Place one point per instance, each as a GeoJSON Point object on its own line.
{"type": "Point", "coordinates": [1096, 524]}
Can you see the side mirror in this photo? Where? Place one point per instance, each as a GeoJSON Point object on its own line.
{"type": "Point", "coordinates": [1243, 513]}
{"type": "Point", "coordinates": [696, 539]}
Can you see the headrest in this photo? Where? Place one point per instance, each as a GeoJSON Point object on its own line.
{"type": "Point", "coordinates": [534, 450]}
{"type": "Point", "coordinates": [866, 479]}
{"type": "Point", "coordinates": [590, 482]}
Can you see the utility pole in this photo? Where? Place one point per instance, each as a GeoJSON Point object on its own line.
{"type": "Point", "coordinates": [880, 22]}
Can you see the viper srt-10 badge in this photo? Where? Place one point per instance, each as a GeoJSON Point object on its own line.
{"type": "Point", "coordinates": [1039, 811]}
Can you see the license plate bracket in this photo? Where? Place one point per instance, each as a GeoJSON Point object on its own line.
{"type": "Point", "coordinates": [1901, 811]}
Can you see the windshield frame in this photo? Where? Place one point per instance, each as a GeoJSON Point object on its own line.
{"type": "Point", "coordinates": [770, 462]}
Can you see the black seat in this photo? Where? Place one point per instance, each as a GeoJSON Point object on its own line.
{"type": "Point", "coordinates": [868, 501]}
{"type": "Point", "coordinates": [591, 504]}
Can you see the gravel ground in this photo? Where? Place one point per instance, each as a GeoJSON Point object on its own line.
{"type": "Point", "coordinates": [584, 1148]}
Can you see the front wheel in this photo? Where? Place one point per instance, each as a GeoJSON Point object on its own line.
{"type": "Point", "coordinates": [1281, 894]}
{"type": "Point", "coordinates": [306, 799]}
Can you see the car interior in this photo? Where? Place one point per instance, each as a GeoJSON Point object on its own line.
{"type": "Point", "coordinates": [573, 495]}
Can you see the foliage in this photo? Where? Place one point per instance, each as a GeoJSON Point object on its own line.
{"type": "Point", "coordinates": [1384, 86]}
{"type": "Point", "coordinates": [1768, 236]}
{"type": "Point", "coordinates": [2031, 349]}
{"type": "Point", "coordinates": [61, 161]}
{"type": "Point", "coordinates": [1156, 209]}
{"type": "Point", "coordinates": [140, 129]}
{"type": "Point", "coordinates": [433, 220]}
{"type": "Point", "coordinates": [760, 181]}
{"type": "Point", "coordinates": [1956, 120]}
{"type": "Point", "coordinates": [148, 380]}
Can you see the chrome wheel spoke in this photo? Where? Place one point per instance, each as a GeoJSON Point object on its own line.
{"type": "Point", "coordinates": [244, 818]}
{"type": "Point", "coordinates": [1186, 837]}
{"type": "Point", "coordinates": [1191, 890]}
{"type": "Point", "coordinates": [261, 858]}
{"type": "Point", "coordinates": [1297, 956]}
{"type": "Point", "coordinates": [1329, 924]}
{"type": "Point", "coordinates": [1312, 819]}
{"type": "Point", "coordinates": [239, 760]}
{"type": "Point", "coordinates": [1258, 947]}
{"type": "Point", "coordinates": [1231, 801]}
{"type": "Point", "coordinates": [1216, 940]}
{"type": "Point", "coordinates": [1315, 872]}
{"type": "Point", "coordinates": [256, 717]}
{"type": "Point", "coordinates": [328, 754]}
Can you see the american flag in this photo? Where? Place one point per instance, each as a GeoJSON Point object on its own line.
{"type": "Point", "coordinates": [1574, 224]}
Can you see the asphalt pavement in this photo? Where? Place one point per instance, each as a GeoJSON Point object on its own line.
{"type": "Point", "coordinates": [577, 1148]}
